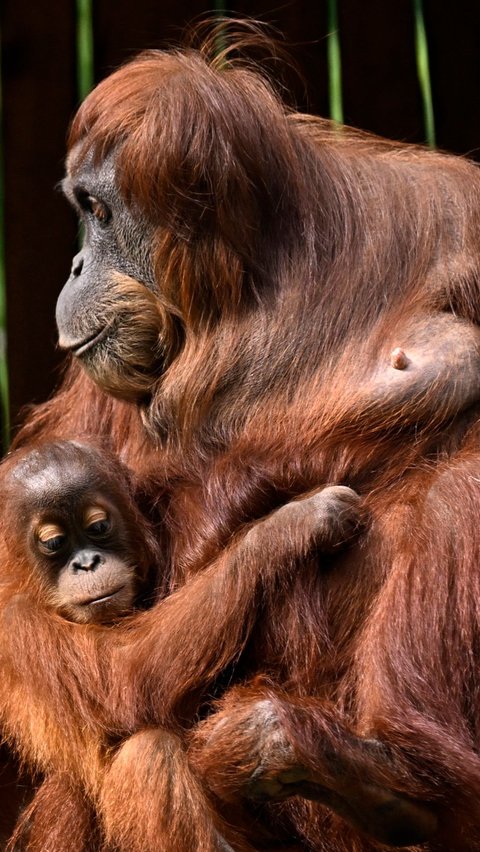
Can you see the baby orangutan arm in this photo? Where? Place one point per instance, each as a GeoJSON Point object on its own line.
{"type": "Point", "coordinates": [213, 614]}
{"type": "Point", "coordinates": [178, 647]}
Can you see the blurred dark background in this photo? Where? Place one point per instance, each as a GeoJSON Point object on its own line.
{"type": "Point", "coordinates": [381, 70]}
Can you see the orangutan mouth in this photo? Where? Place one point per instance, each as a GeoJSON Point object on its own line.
{"type": "Point", "coordinates": [79, 349]}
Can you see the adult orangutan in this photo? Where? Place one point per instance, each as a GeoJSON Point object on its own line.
{"type": "Point", "coordinates": [283, 306]}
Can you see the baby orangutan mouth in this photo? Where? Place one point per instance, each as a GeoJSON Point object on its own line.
{"type": "Point", "coordinates": [103, 598]}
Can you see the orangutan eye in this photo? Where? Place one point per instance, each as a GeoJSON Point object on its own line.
{"type": "Point", "coordinates": [99, 210]}
{"type": "Point", "coordinates": [96, 521]}
{"type": "Point", "coordinates": [50, 538]}
{"type": "Point", "coordinates": [94, 206]}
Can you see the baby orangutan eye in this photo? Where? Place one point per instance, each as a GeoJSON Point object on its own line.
{"type": "Point", "coordinates": [50, 538]}
{"type": "Point", "coordinates": [96, 520]}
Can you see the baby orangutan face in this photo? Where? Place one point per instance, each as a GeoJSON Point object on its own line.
{"type": "Point", "coordinates": [91, 582]}
{"type": "Point", "coordinates": [78, 525]}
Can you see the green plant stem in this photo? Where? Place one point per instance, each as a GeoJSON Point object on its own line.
{"type": "Point", "coordinates": [334, 60]}
{"type": "Point", "coordinates": [423, 72]}
{"type": "Point", "coordinates": [85, 69]}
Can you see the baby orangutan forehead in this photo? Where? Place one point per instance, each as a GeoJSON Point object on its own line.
{"type": "Point", "coordinates": [51, 486]}
{"type": "Point", "coordinates": [45, 481]}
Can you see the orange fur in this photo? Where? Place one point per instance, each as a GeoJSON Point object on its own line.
{"type": "Point", "coordinates": [294, 257]}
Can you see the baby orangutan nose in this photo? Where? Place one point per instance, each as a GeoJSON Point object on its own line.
{"type": "Point", "coordinates": [87, 560]}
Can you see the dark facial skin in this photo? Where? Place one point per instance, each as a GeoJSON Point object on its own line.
{"type": "Point", "coordinates": [107, 314]}
{"type": "Point", "coordinates": [116, 240]}
{"type": "Point", "coordinates": [73, 547]}
{"type": "Point", "coordinates": [77, 537]}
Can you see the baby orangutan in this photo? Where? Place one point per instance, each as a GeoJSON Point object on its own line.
{"type": "Point", "coordinates": [88, 545]}
{"type": "Point", "coordinates": [85, 557]}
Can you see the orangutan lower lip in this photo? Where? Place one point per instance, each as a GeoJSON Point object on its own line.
{"type": "Point", "coordinates": [80, 348]}
{"type": "Point", "coordinates": [103, 598]}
